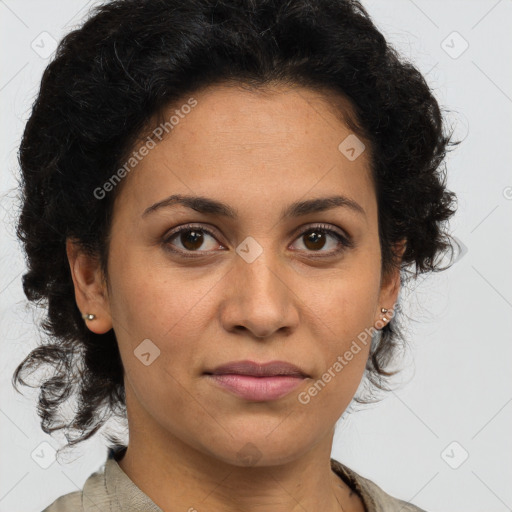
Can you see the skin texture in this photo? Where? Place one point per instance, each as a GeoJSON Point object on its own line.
{"type": "Point", "coordinates": [257, 151]}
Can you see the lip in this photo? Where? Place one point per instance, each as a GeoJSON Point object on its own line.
{"type": "Point", "coordinates": [251, 368]}
{"type": "Point", "coordinates": [258, 382]}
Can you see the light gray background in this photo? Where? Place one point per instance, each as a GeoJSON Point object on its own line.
{"type": "Point", "coordinates": [457, 385]}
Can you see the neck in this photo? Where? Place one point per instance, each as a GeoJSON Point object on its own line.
{"type": "Point", "coordinates": [177, 477]}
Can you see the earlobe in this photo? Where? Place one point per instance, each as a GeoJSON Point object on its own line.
{"type": "Point", "coordinates": [390, 289]}
{"type": "Point", "coordinates": [90, 291]}
{"type": "Point", "coordinates": [385, 316]}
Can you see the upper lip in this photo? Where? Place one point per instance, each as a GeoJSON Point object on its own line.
{"type": "Point", "coordinates": [251, 368]}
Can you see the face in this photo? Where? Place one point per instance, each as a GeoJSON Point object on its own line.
{"type": "Point", "coordinates": [257, 280]}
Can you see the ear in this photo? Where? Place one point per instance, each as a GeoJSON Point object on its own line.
{"type": "Point", "coordinates": [390, 287]}
{"type": "Point", "coordinates": [90, 288]}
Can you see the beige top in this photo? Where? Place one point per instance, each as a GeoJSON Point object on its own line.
{"type": "Point", "coordinates": [110, 489]}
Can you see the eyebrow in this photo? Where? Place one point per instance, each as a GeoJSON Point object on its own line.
{"type": "Point", "coordinates": [213, 207]}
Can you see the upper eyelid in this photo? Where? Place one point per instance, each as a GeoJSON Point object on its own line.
{"type": "Point", "coordinates": [298, 231]}
{"type": "Point", "coordinates": [186, 227]}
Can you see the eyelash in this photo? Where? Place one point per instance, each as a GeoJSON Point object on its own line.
{"type": "Point", "coordinates": [346, 242]}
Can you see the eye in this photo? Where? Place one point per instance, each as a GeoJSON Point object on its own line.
{"type": "Point", "coordinates": [191, 238]}
{"type": "Point", "coordinates": [316, 238]}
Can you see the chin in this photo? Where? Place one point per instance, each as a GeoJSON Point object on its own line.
{"type": "Point", "coordinates": [258, 448]}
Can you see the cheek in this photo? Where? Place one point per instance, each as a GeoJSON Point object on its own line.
{"type": "Point", "coordinates": [157, 303]}
{"type": "Point", "coordinates": [158, 334]}
{"type": "Point", "coordinates": [345, 302]}
{"type": "Point", "coordinates": [344, 351]}
{"type": "Point", "coordinates": [343, 313]}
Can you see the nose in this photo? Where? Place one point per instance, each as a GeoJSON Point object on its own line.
{"type": "Point", "coordinates": [258, 299]}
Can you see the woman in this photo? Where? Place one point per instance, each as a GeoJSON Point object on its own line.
{"type": "Point", "coordinates": [221, 202]}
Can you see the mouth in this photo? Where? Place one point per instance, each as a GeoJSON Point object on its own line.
{"type": "Point", "coordinates": [258, 382]}
{"type": "Point", "coordinates": [252, 369]}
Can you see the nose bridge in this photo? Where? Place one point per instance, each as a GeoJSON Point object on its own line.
{"type": "Point", "coordinates": [258, 298]}
{"type": "Point", "coordinates": [261, 277]}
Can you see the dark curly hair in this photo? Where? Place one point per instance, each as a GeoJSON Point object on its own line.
{"type": "Point", "coordinates": [132, 59]}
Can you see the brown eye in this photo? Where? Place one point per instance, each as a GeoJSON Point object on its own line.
{"type": "Point", "coordinates": [317, 238]}
{"type": "Point", "coordinates": [190, 239]}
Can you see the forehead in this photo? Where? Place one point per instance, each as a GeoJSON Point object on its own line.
{"type": "Point", "coordinates": [245, 116]}
{"type": "Point", "coordinates": [238, 142]}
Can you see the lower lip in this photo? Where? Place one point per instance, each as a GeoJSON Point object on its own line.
{"type": "Point", "coordinates": [258, 389]}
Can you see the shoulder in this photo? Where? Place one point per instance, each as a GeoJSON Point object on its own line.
{"type": "Point", "coordinates": [66, 503]}
{"type": "Point", "coordinates": [91, 497]}
{"type": "Point", "coordinates": [109, 488]}
{"type": "Point", "coordinates": [386, 502]}
{"type": "Point", "coordinates": [374, 498]}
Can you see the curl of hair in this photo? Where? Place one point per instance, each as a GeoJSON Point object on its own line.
{"type": "Point", "coordinates": [132, 59]}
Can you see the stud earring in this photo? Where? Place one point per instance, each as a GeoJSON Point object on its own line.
{"type": "Point", "coordinates": [384, 310]}
{"type": "Point", "coordinates": [88, 316]}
